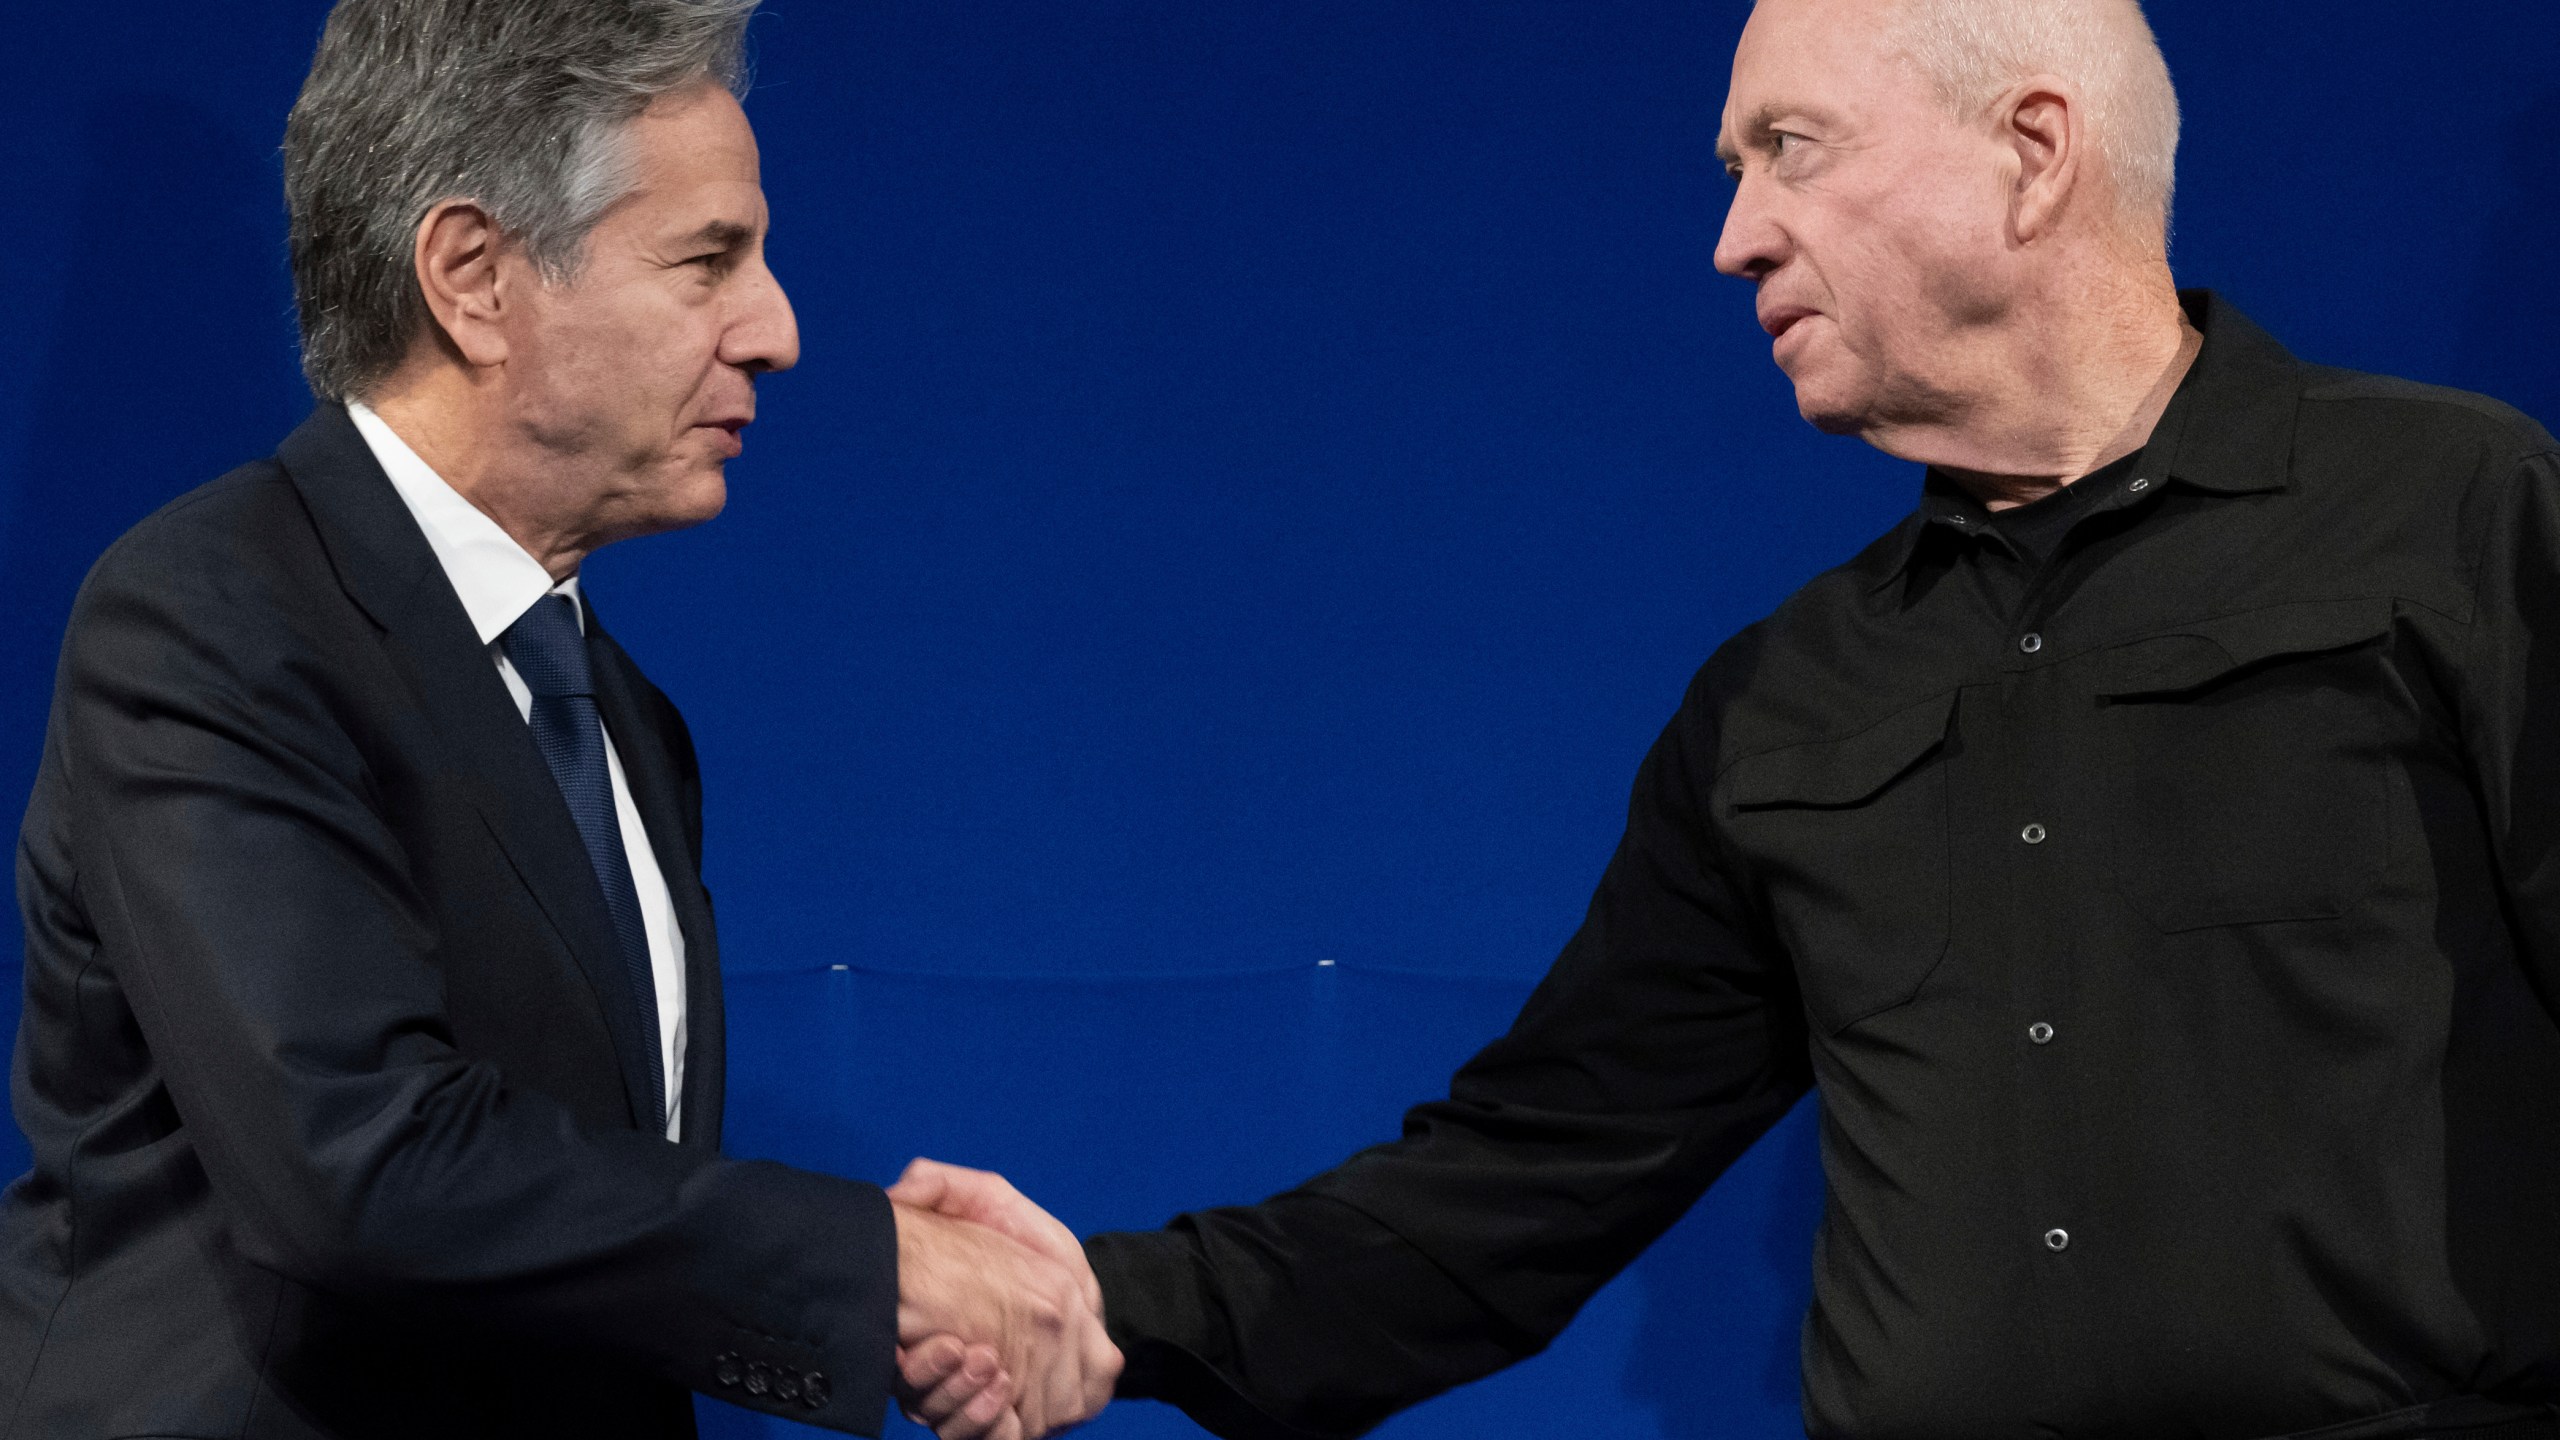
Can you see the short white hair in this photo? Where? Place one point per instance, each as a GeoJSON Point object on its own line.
{"type": "Point", "coordinates": [1972, 51]}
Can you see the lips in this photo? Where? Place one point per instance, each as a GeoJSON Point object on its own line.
{"type": "Point", "coordinates": [730, 428]}
{"type": "Point", "coordinates": [1779, 319]}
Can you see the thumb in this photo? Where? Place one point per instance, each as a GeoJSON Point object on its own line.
{"type": "Point", "coordinates": [982, 1196]}
{"type": "Point", "coordinates": [924, 1184]}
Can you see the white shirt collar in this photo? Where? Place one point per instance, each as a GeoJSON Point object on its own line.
{"type": "Point", "coordinates": [497, 580]}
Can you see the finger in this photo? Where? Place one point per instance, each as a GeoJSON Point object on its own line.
{"type": "Point", "coordinates": [979, 1377]}
{"type": "Point", "coordinates": [1006, 1426]}
{"type": "Point", "coordinates": [931, 1361]}
{"type": "Point", "coordinates": [1096, 1371]}
{"type": "Point", "coordinates": [979, 1420]}
{"type": "Point", "coordinates": [984, 1415]}
{"type": "Point", "coordinates": [1062, 1399]}
{"type": "Point", "coordinates": [985, 1359]}
{"type": "Point", "coordinates": [1102, 1365]}
{"type": "Point", "coordinates": [1034, 1385]}
{"type": "Point", "coordinates": [942, 1404]}
{"type": "Point", "coordinates": [962, 1426]}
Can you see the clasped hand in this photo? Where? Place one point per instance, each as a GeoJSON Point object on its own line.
{"type": "Point", "coordinates": [999, 1317]}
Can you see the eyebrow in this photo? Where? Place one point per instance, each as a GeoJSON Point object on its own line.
{"type": "Point", "coordinates": [726, 234]}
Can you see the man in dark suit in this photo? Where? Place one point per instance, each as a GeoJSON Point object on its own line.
{"type": "Point", "coordinates": [372, 1051]}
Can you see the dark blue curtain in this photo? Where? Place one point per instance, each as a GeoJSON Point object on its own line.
{"type": "Point", "coordinates": [1262, 472]}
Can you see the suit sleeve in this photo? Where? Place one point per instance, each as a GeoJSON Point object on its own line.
{"type": "Point", "coordinates": [1665, 1040]}
{"type": "Point", "coordinates": [281, 964]}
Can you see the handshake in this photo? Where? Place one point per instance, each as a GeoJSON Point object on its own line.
{"type": "Point", "coordinates": [999, 1317]}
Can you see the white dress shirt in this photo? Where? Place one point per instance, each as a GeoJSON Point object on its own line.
{"type": "Point", "coordinates": [498, 581]}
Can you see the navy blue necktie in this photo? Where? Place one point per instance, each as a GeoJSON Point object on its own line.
{"type": "Point", "coordinates": [550, 653]}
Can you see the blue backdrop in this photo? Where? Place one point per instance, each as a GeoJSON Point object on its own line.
{"type": "Point", "coordinates": [1261, 473]}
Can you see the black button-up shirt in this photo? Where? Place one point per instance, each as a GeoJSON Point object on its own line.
{"type": "Point", "coordinates": [2170, 920]}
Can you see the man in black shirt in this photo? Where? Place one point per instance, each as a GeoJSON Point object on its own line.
{"type": "Point", "coordinates": [2158, 872]}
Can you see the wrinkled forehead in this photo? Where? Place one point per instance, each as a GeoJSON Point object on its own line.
{"type": "Point", "coordinates": [1835, 56]}
{"type": "Point", "coordinates": [697, 134]}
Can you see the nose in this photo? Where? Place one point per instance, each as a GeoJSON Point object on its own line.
{"type": "Point", "coordinates": [1753, 243]}
{"type": "Point", "coordinates": [764, 334]}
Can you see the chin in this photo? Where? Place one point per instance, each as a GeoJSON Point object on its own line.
{"type": "Point", "coordinates": [698, 498]}
{"type": "Point", "coordinates": [1835, 422]}
{"type": "Point", "coordinates": [1832, 414]}
{"type": "Point", "coordinates": [1834, 399]}
{"type": "Point", "coordinates": [705, 498]}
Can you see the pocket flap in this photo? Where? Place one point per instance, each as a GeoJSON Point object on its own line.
{"type": "Point", "coordinates": [1843, 771]}
{"type": "Point", "coordinates": [2201, 653]}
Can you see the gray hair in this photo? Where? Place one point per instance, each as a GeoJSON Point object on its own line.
{"type": "Point", "coordinates": [1972, 50]}
{"type": "Point", "coordinates": [518, 105]}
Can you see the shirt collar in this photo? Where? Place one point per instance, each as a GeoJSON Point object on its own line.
{"type": "Point", "coordinates": [1943, 500]}
{"type": "Point", "coordinates": [496, 579]}
{"type": "Point", "coordinates": [2228, 430]}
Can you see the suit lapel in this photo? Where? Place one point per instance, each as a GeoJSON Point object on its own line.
{"type": "Point", "coordinates": [385, 564]}
{"type": "Point", "coordinates": [657, 789]}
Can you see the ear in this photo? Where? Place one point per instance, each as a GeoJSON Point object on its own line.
{"type": "Point", "coordinates": [2041, 121]}
{"type": "Point", "coordinates": [457, 261]}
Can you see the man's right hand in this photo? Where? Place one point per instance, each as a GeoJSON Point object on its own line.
{"type": "Point", "coordinates": [963, 1280]}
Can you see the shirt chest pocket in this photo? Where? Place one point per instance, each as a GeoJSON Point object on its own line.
{"type": "Point", "coordinates": [1848, 840]}
{"type": "Point", "coordinates": [2248, 765]}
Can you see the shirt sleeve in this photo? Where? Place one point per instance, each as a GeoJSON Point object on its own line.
{"type": "Point", "coordinates": [2511, 700]}
{"type": "Point", "coordinates": [1666, 1039]}
{"type": "Point", "coordinates": [267, 928]}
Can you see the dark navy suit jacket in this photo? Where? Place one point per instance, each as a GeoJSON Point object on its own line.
{"type": "Point", "coordinates": [328, 1063]}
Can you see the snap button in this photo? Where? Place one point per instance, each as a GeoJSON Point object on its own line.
{"type": "Point", "coordinates": [759, 1378]}
{"type": "Point", "coordinates": [728, 1369]}
{"type": "Point", "coordinates": [2031, 642]}
{"type": "Point", "coordinates": [2057, 1240]}
{"type": "Point", "coordinates": [813, 1390]}
{"type": "Point", "coordinates": [2041, 1033]}
{"type": "Point", "coordinates": [2033, 834]}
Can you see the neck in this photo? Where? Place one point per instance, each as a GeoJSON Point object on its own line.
{"type": "Point", "coordinates": [2077, 383]}
{"type": "Point", "coordinates": [461, 430]}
